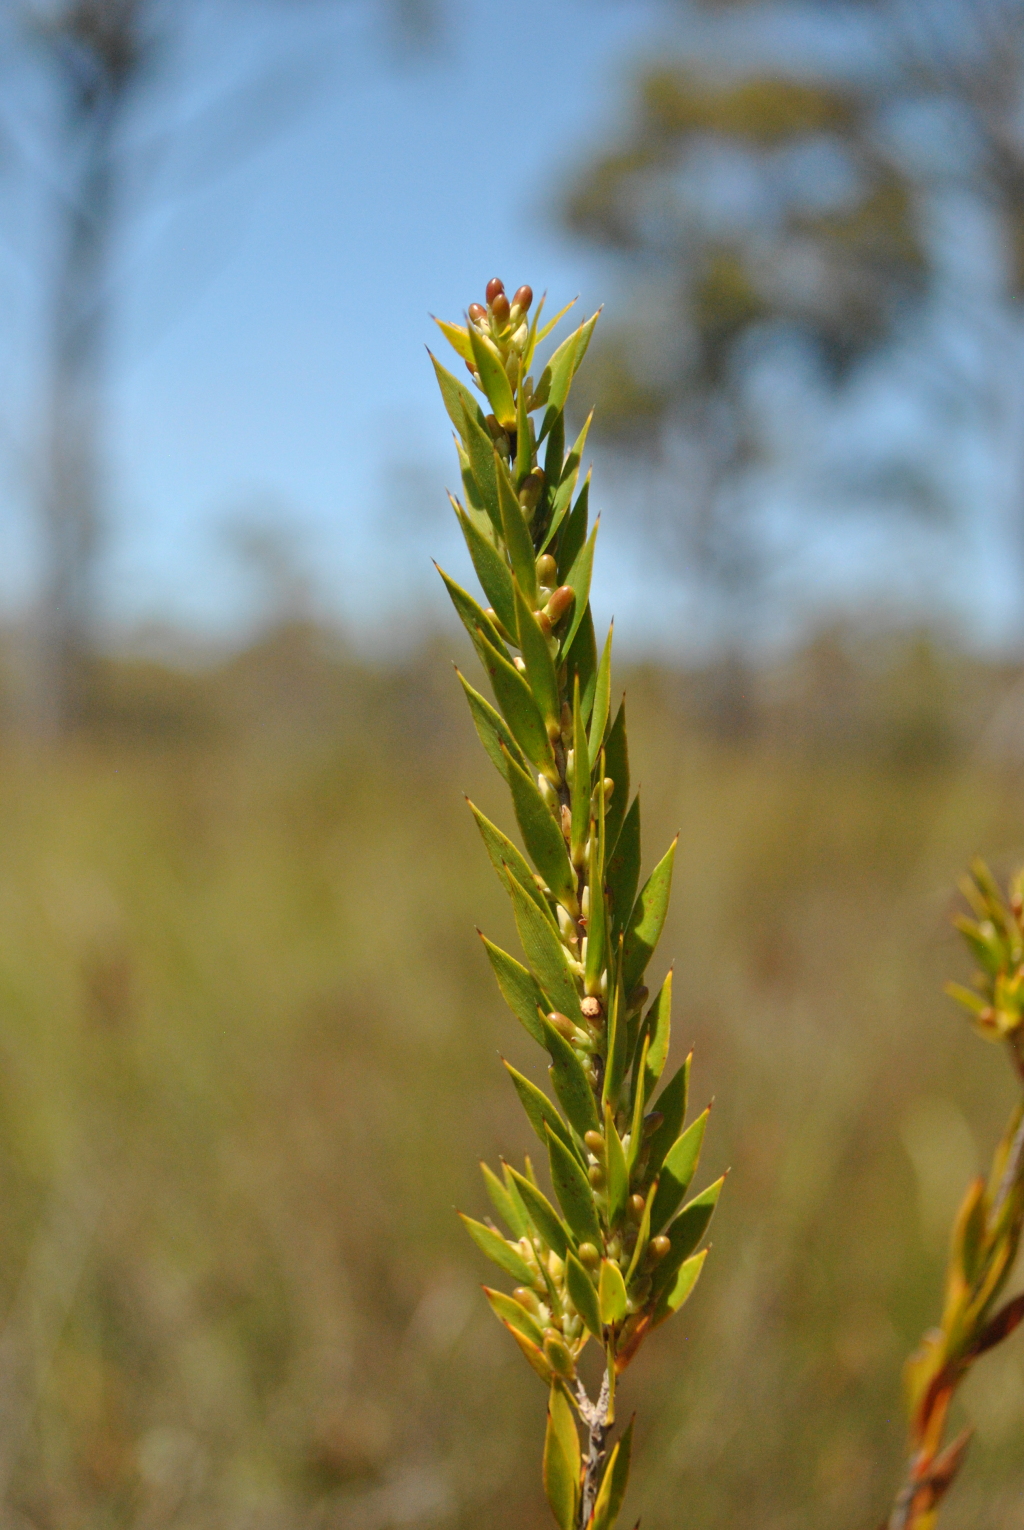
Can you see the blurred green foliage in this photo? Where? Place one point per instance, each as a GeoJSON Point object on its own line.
{"type": "Point", "coordinates": [248, 1067]}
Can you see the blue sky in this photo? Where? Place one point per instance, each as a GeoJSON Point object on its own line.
{"type": "Point", "coordinates": [268, 365]}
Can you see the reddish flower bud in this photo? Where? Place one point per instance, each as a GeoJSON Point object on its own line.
{"type": "Point", "coordinates": [522, 298]}
{"type": "Point", "coordinates": [636, 1207]}
{"type": "Point", "coordinates": [658, 1248]}
{"type": "Point", "coordinates": [477, 311]}
{"type": "Point", "coordinates": [559, 603]}
{"type": "Point", "coordinates": [494, 286]}
{"type": "Point", "coordinates": [562, 1024]}
{"type": "Point", "coordinates": [500, 308]}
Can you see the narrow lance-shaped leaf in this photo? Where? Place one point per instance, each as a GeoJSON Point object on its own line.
{"type": "Point", "coordinates": [602, 696]}
{"type": "Point", "coordinates": [616, 755]}
{"type": "Point", "coordinates": [561, 369]}
{"type": "Point", "coordinates": [617, 1171]}
{"type": "Point", "coordinates": [574, 1192]}
{"type": "Point", "coordinates": [509, 1312]}
{"type": "Point", "coordinates": [517, 534]}
{"type": "Point", "coordinates": [521, 712]}
{"type": "Point", "coordinates": [615, 1062]}
{"type": "Point", "coordinates": [636, 1131]}
{"type": "Point", "coordinates": [492, 729]}
{"type": "Point", "coordinates": [491, 569]}
{"type": "Point", "coordinates": [673, 1296]}
{"type": "Point", "coordinates": [643, 1236]}
{"type": "Point", "coordinates": [493, 377]}
{"type": "Point", "coordinates": [658, 1028]}
{"type": "Point", "coordinates": [561, 1464]}
{"type": "Point", "coordinates": [503, 853]}
{"type": "Point", "coordinates": [578, 580]}
{"type": "Point", "coordinates": [540, 1112]}
{"type": "Point", "coordinates": [567, 485]}
{"type": "Point", "coordinates": [686, 1232]}
{"type": "Point", "coordinates": [570, 1082]}
{"type": "Point", "coordinates": [518, 988]}
{"type": "Point", "coordinates": [648, 919]}
{"type": "Point", "coordinates": [540, 668]}
{"type": "Point", "coordinates": [457, 337]}
{"type": "Point", "coordinates": [481, 454]}
{"type": "Point", "coordinates": [542, 1214]}
{"type": "Point", "coordinates": [545, 954]}
{"type": "Point", "coordinates": [677, 1171]}
{"type": "Point", "coordinates": [457, 399]}
{"type": "Point", "coordinates": [542, 837]}
{"type": "Point", "coordinates": [597, 923]}
{"type": "Point", "coordinates": [582, 660]}
{"type": "Point", "coordinates": [503, 1203]}
{"type": "Point", "coordinates": [611, 1293]}
{"type": "Point", "coordinates": [572, 529]}
{"type": "Point", "coordinates": [580, 788]}
{"type": "Point", "coordinates": [534, 1355]}
{"type": "Point", "coordinates": [524, 436]}
{"type": "Point", "coordinates": [582, 1294]}
{"type": "Point", "coordinates": [624, 866]}
{"type": "Point", "coordinates": [475, 620]}
{"type": "Point", "coordinates": [671, 1103]}
{"type": "Point", "coordinates": [499, 1251]}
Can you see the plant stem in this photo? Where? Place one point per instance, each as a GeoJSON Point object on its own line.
{"type": "Point", "coordinates": [595, 1416]}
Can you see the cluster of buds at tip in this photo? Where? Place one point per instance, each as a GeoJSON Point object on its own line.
{"type": "Point", "coordinates": [995, 938]}
{"type": "Point", "coordinates": [610, 1250]}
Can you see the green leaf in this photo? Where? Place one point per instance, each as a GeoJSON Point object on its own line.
{"type": "Point", "coordinates": [503, 1204]}
{"type": "Point", "coordinates": [492, 729]}
{"type": "Point", "coordinates": [457, 337]}
{"type": "Point", "coordinates": [624, 866]}
{"type": "Point", "coordinates": [542, 837]}
{"type": "Point", "coordinates": [613, 1484]}
{"type": "Point", "coordinates": [540, 667]}
{"type": "Point", "coordinates": [516, 534]}
{"type": "Point", "coordinates": [582, 1294]}
{"type": "Point", "coordinates": [553, 464]}
{"type": "Point", "coordinates": [566, 488]}
{"type": "Point", "coordinates": [618, 1174]}
{"type": "Point", "coordinates": [457, 398]}
{"type": "Point", "coordinates": [643, 1237]}
{"type": "Point", "coordinates": [570, 1082]}
{"type": "Point", "coordinates": [618, 1035]}
{"type": "Point", "coordinates": [493, 377]}
{"type": "Point", "coordinates": [540, 1112]}
{"type": "Point", "coordinates": [549, 326]}
{"type": "Point", "coordinates": [686, 1232]}
{"type": "Point", "coordinates": [561, 1461]}
{"type": "Point", "coordinates": [673, 1296]}
{"type": "Point", "coordinates": [503, 853]}
{"type": "Point", "coordinates": [491, 569]}
{"type": "Point", "coordinates": [518, 989]}
{"type": "Point", "coordinates": [515, 699]}
{"type": "Point", "coordinates": [580, 787]}
{"type": "Point", "coordinates": [677, 1171]}
{"type": "Point", "coordinates": [574, 531]}
{"type": "Point", "coordinates": [542, 1214]}
{"type": "Point", "coordinates": [602, 697]}
{"type": "Point", "coordinates": [578, 579]}
{"type": "Point", "coordinates": [508, 1311]}
{"type": "Point", "coordinates": [648, 919]}
{"type": "Point", "coordinates": [658, 1027]}
{"type": "Point", "coordinates": [574, 1192]}
{"type": "Point", "coordinates": [481, 454]}
{"type": "Point", "coordinates": [556, 378]}
{"type": "Point", "coordinates": [545, 954]}
{"type": "Point", "coordinates": [524, 437]}
{"type": "Point", "coordinates": [499, 1251]}
{"type": "Point", "coordinates": [611, 1293]}
{"type": "Point", "coordinates": [475, 620]}
{"type": "Point", "coordinates": [636, 1132]}
{"type": "Point", "coordinates": [533, 1354]}
{"type": "Point", "coordinates": [616, 765]}
{"type": "Point", "coordinates": [672, 1105]}
{"type": "Point", "coordinates": [581, 660]}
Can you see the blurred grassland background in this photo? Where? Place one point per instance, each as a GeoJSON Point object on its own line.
{"type": "Point", "coordinates": [249, 1063]}
{"type": "Point", "coordinates": [248, 1037]}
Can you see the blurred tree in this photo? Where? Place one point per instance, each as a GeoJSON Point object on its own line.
{"type": "Point", "coordinates": [104, 64]}
{"type": "Point", "coordinates": [857, 201]}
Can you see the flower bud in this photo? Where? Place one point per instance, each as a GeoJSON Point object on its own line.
{"type": "Point", "coordinates": [547, 568]}
{"type": "Point", "coordinates": [596, 1175]}
{"type": "Point", "coordinates": [562, 1024]}
{"type": "Point", "coordinates": [477, 312]}
{"type": "Point", "coordinates": [494, 286]}
{"type": "Point", "coordinates": [520, 664]}
{"type": "Point", "coordinates": [544, 623]}
{"type": "Point", "coordinates": [639, 1294]}
{"type": "Point", "coordinates": [522, 298]}
{"type": "Point", "coordinates": [559, 603]}
{"type": "Point", "coordinates": [500, 308]}
{"type": "Point", "coordinates": [589, 1256]}
{"type": "Point", "coordinates": [527, 1299]}
{"type": "Point", "coordinates": [635, 1206]}
{"type": "Point", "coordinates": [595, 1142]}
{"type": "Point", "coordinates": [591, 1008]}
{"type": "Point", "coordinates": [529, 494]}
{"type": "Point", "coordinates": [658, 1248]}
{"type": "Point", "coordinates": [491, 421]}
{"type": "Point", "coordinates": [652, 1122]}
{"type": "Point", "coordinates": [556, 1353]}
{"type": "Point", "coordinates": [548, 792]}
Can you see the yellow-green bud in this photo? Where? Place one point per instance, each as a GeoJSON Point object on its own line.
{"type": "Point", "coordinates": [595, 1142]}
{"type": "Point", "coordinates": [596, 1175]}
{"type": "Point", "coordinates": [556, 1353]}
{"type": "Point", "coordinates": [532, 488]}
{"type": "Point", "coordinates": [635, 1206]}
{"type": "Point", "coordinates": [527, 1299]}
{"type": "Point", "coordinates": [658, 1248]}
{"type": "Point", "coordinates": [589, 1256]}
{"type": "Point", "coordinates": [547, 570]}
